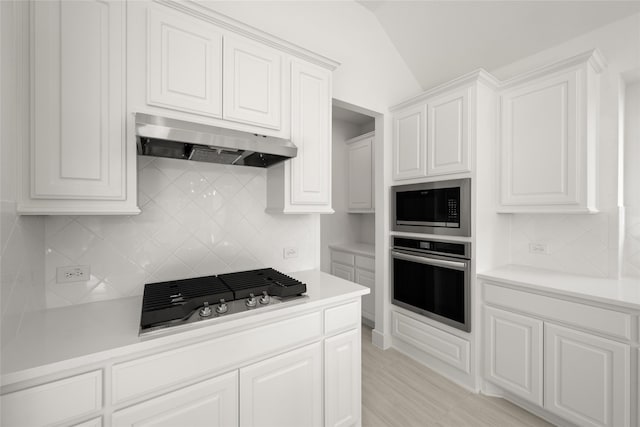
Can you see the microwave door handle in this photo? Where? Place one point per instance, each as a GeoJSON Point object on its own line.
{"type": "Point", "coordinates": [429, 261]}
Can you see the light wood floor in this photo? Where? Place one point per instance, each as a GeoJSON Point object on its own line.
{"type": "Point", "coordinates": [398, 391]}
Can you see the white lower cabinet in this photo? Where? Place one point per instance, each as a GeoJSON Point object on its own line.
{"type": "Point", "coordinates": [343, 271]}
{"type": "Point", "coordinates": [284, 390]}
{"type": "Point", "coordinates": [368, 279]}
{"type": "Point", "coordinates": [587, 378]}
{"type": "Point", "coordinates": [212, 403]}
{"type": "Point", "coordinates": [513, 353]}
{"type": "Point", "coordinates": [355, 267]}
{"type": "Point", "coordinates": [298, 370]}
{"type": "Point", "coordinates": [62, 401]}
{"type": "Point", "coordinates": [581, 377]}
{"type": "Point", "coordinates": [342, 394]}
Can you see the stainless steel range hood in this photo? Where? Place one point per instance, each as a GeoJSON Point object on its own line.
{"type": "Point", "coordinates": [178, 139]}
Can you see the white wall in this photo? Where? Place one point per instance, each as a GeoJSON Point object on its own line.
{"type": "Point", "coordinates": [21, 238]}
{"type": "Point", "coordinates": [631, 250]}
{"type": "Point", "coordinates": [584, 244]}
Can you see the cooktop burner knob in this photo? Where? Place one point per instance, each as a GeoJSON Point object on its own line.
{"type": "Point", "coordinates": [222, 307]}
{"type": "Point", "coordinates": [206, 310]}
{"type": "Point", "coordinates": [265, 298]}
{"type": "Point", "coordinates": [251, 301]}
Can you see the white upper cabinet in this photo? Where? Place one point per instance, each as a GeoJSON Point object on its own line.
{"type": "Point", "coordinates": [78, 159]}
{"type": "Point", "coordinates": [252, 83]}
{"type": "Point", "coordinates": [548, 125]}
{"type": "Point", "coordinates": [360, 176]}
{"type": "Point", "coordinates": [434, 133]}
{"type": "Point", "coordinates": [448, 133]}
{"type": "Point", "coordinates": [184, 61]}
{"type": "Point", "coordinates": [410, 142]}
{"type": "Point", "coordinates": [188, 63]}
{"type": "Point", "coordinates": [303, 184]}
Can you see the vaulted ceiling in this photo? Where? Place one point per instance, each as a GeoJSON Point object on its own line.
{"type": "Point", "coordinates": [439, 40]}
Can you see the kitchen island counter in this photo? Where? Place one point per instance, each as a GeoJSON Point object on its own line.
{"type": "Point", "coordinates": [60, 339]}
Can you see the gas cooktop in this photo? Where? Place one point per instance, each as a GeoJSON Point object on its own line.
{"type": "Point", "coordinates": [178, 302]}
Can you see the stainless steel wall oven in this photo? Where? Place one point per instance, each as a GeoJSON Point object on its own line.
{"type": "Point", "coordinates": [441, 207]}
{"type": "Point", "coordinates": [432, 278]}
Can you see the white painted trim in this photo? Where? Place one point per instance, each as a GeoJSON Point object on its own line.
{"type": "Point", "coordinates": [479, 75]}
{"type": "Point", "coordinates": [592, 57]}
{"type": "Point", "coordinates": [361, 137]}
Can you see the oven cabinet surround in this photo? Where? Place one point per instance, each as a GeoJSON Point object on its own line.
{"type": "Point", "coordinates": [295, 365]}
{"type": "Point", "coordinates": [567, 357]}
{"type": "Point", "coordinates": [78, 160]}
{"type": "Point", "coordinates": [548, 137]}
{"type": "Point", "coordinates": [434, 132]}
{"type": "Point", "coordinates": [360, 174]}
{"type": "Point", "coordinates": [356, 262]}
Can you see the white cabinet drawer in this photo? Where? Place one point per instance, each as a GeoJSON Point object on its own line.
{"type": "Point", "coordinates": [598, 319]}
{"type": "Point", "coordinates": [214, 402]}
{"type": "Point", "coordinates": [439, 344]}
{"type": "Point", "coordinates": [343, 257]}
{"type": "Point", "coordinates": [365, 263]}
{"type": "Point", "coordinates": [171, 368]}
{"type": "Point", "coordinates": [54, 402]}
{"type": "Point", "coordinates": [342, 317]}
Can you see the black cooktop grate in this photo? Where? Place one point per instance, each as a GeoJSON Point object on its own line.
{"type": "Point", "coordinates": [173, 301]}
{"type": "Point", "coordinates": [265, 279]}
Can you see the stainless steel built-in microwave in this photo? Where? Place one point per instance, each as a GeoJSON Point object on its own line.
{"type": "Point", "coordinates": [440, 207]}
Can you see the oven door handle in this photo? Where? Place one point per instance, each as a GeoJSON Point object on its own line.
{"type": "Point", "coordinates": [430, 261]}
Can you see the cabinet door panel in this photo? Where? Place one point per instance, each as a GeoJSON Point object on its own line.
{"type": "Point", "coordinates": [284, 391]}
{"type": "Point", "coordinates": [587, 378]}
{"type": "Point", "coordinates": [447, 139]}
{"type": "Point", "coordinates": [513, 353]}
{"type": "Point", "coordinates": [409, 143]}
{"type": "Point", "coordinates": [253, 83]}
{"type": "Point", "coordinates": [368, 279]}
{"type": "Point", "coordinates": [540, 142]}
{"type": "Point", "coordinates": [342, 271]}
{"type": "Point", "coordinates": [360, 174]}
{"type": "Point", "coordinates": [310, 132]}
{"type": "Point", "coordinates": [343, 378]}
{"type": "Point", "coordinates": [184, 63]}
{"type": "Point", "coordinates": [210, 403]}
{"type": "Point", "coordinates": [78, 140]}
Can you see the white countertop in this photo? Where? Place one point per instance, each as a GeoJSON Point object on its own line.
{"type": "Point", "coordinates": [364, 249]}
{"type": "Point", "coordinates": [621, 292]}
{"type": "Point", "coordinates": [63, 338]}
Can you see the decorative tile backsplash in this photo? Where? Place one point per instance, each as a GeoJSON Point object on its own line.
{"type": "Point", "coordinates": [197, 219]}
{"type": "Point", "coordinates": [577, 244]}
{"type": "Point", "coordinates": [21, 267]}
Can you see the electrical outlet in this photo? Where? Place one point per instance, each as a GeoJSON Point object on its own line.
{"type": "Point", "coordinates": [73, 273]}
{"type": "Point", "coordinates": [539, 248]}
{"type": "Point", "coordinates": [290, 252]}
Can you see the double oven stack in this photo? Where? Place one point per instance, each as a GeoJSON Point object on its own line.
{"type": "Point", "coordinates": [431, 276]}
